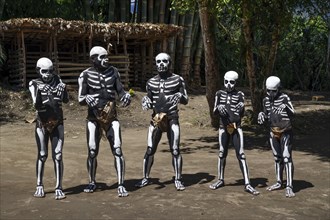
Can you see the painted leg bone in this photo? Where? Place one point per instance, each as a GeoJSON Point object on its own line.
{"type": "Point", "coordinates": [177, 164]}
{"type": "Point", "coordinates": [147, 163]}
{"type": "Point", "coordinates": [223, 146]}
{"type": "Point", "coordinates": [93, 145]}
{"type": "Point", "coordinates": [154, 137]}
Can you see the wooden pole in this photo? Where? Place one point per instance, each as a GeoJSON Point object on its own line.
{"type": "Point", "coordinates": [55, 52]}
{"type": "Point", "coordinates": [24, 59]}
{"type": "Point", "coordinates": [127, 64]}
{"type": "Point", "coordinates": [143, 65]}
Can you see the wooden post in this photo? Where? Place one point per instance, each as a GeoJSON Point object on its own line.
{"type": "Point", "coordinates": [84, 50]}
{"type": "Point", "coordinates": [55, 53]}
{"type": "Point", "coordinates": [126, 65]}
{"type": "Point", "coordinates": [24, 59]}
{"type": "Point", "coordinates": [143, 65]}
{"type": "Point", "coordinates": [164, 45]}
{"type": "Point", "coordinates": [151, 58]}
{"type": "Point", "coordinates": [50, 46]}
{"type": "Point", "coordinates": [90, 38]}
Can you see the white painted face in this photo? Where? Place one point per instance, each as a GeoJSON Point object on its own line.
{"type": "Point", "coordinates": [230, 80]}
{"type": "Point", "coordinates": [99, 57]}
{"type": "Point", "coordinates": [273, 84]}
{"type": "Point", "coordinates": [163, 62]}
{"type": "Point", "coordinates": [45, 69]}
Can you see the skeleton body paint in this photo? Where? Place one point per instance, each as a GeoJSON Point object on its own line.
{"type": "Point", "coordinates": [278, 110]}
{"type": "Point", "coordinates": [164, 92]}
{"type": "Point", "coordinates": [229, 104]}
{"type": "Point", "coordinates": [48, 93]}
{"type": "Point", "coordinates": [98, 87]}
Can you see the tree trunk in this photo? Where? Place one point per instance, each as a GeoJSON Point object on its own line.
{"type": "Point", "coordinates": [111, 11]}
{"type": "Point", "coordinates": [2, 5]}
{"type": "Point", "coordinates": [144, 11]}
{"type": "Point", "coordinates": [211, 67]}
{"type": "Point", "coordinates": [150, 11]}
{"type": "Point", "coordinates": [273, 50]}
{"type": "Point", "coordinates": [162, 9]}
{"type": "Point", "coordinates": [197, 62]}
{"type": "Point", "coordinates": [173, 40]}
{"type": "Point", "coordinates": [87, 9]}
{"type": "Point", "coordinates": [179, 46]}
{"type": "Point", "coordinates": [185, 64]}
{"type": "Point", "coordinates": [327, 68]}
{"type": "Point", "coordinates": [123, 11]}
{"type": "Point", "coordinates": [250, 65]}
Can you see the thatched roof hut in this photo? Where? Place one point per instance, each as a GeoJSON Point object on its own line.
{"type": "Point", "coordinates": [131, 45]}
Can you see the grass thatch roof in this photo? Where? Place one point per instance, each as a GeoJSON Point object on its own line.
{"type": "Point", "coordinates": [75, 28]}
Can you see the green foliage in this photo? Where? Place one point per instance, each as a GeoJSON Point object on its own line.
{"type": "Point", "coordinates": [183, 6]}
{"type": "Point", "coordinates": [131, 92]}
{"type": "Point", "coordinates": [30, 8]}
{"type": "Point", "coordinates": [304, 29]}
{"type": "Point", "coordinates": [301, 60]}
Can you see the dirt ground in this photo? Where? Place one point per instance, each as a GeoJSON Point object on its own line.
{"type": "Point", "coordinates": [160, 200]}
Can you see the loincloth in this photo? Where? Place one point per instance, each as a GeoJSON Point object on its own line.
{"type": "Point", "coordinates": [50, 124]}
{"type": "Point", "coordinates": [160, 121]}
{"type": "Point", "coordinates": [231, 128]}
{"type": "Point", "coordinates": [106, 115]}
{"type": "Point", "coordinates": [277, 131]}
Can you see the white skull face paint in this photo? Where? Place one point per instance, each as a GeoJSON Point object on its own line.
{"type": "Point", "coordinates": [272, 85]}
{"type": "Point", "coordinates": [45, 69]}
{"type": "Point", "coordinates": [99, 56]}
{"type": "Point", "coordinates": [230, 80]}
{"type": "Point", "coordinates": [163, 62]}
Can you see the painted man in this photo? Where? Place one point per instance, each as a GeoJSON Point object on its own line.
{"type": "Point", "coordinates": [278, 110]}
{"type": "Point", "coordinates": [229, 104]}
{"type": "Point", "coordinates": [164, 92]}
{"type": "Point", "coordinates": [98, 86]}
{"type": "Point", "coordinates": [48, 93]}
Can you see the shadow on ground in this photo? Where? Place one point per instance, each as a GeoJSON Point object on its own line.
{"type": "Point", "coordinates": [310, 136]}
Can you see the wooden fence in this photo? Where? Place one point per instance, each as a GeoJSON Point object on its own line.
{"type": "Point", "coordinates": [23, 70]}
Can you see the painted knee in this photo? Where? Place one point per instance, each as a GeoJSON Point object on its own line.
{"type": "Point", "coordinates": [43, 156]}
{"type": "Point", "coordinates": [241, 156]}
{"type": "Point", "coordinates": [287, 159]}
{"type": "Point", "coordinates": [278, 159]}
{"type": "Point", "coordinates": [58, 156]}
{"type": "Point", "coordinates": [149, 151]}
{"type": "Point", "coordinates": [92, 154]}
{"type": "Point", "coordinates": [175, 152]}
{"type": "Point", "coordinates": [117, 152]}
{"type": "Point", "coordinates": [221, 154]}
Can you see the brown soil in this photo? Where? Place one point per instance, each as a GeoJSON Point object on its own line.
{"type": "Point", "coordinates": [160, 200]}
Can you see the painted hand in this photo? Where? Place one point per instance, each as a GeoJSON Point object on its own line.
{"type": "Point", "coordinates": [175, 98]}
{"type": "Point", "coordinates": [125, 100]}
{"type": "Point", "coordinates": [45, 88]}
{"type": "Point", "coordinates": [60, 88]}
{"type": "Point", "coordinates": [222, 110]}
{"type": "Point", "coordinates": [91, 100]}
{"type": "Point", "coordinates": [239, 106]}
{"type": "Point", "coordinates": [279, 109]}
{"type": "Point", "coordinates": [261, 117]}
{"type": "Point", "coordinates": [146, 103]}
